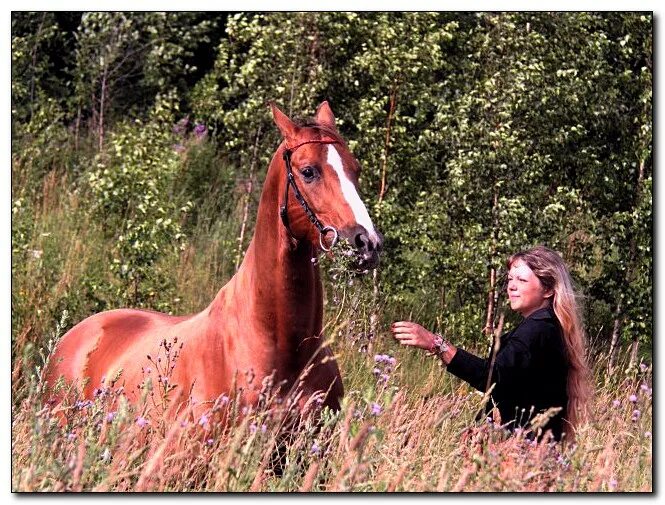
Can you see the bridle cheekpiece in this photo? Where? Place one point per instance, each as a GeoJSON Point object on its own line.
{"type": "Point", "coordinates": [290, 181]}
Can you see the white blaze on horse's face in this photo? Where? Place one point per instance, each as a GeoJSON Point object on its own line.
{"type": "Point", "coordinates": [368, 243]}
{"type": "Point", "coordinates": [351, 193]}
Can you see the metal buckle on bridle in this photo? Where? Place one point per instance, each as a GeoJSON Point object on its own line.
{"type": "Point", "coordinates": [323, 233]}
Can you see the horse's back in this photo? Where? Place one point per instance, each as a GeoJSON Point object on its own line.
{"type": "Point", "coordinates": [92, 347]}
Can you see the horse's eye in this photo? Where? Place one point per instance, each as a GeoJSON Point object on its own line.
{"type": "Point", "coordinates": [308, 173]}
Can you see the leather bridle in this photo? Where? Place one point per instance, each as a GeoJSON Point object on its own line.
{"type": "Point", "coordinates": [290, 181]}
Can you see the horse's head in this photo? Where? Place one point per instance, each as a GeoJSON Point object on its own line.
{"type": "Point", "coordinates": [320, 200]}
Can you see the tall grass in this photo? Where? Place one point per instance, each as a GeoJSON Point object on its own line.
{"type": "Point", "coordinates": [399, 435]}
{"type": "Point", "coordinates": [405, 424]}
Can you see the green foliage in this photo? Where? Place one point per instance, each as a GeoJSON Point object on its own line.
{"type": "Point", "coordinates": [131, 187]}
{"type": "Point", "coordinates": [479, 134]}
{"type": "Point", "coordinates": [124, 59]}
{"type": "Point", "coordinates": [35, 38]}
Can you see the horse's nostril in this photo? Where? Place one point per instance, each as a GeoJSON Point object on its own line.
{"type": "Point", "coordinates": [362, 241]}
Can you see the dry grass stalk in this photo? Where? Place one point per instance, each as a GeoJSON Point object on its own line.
{"type": "Point", "coordinates": [155, 462]}
{"type": "Point", "coordinates": [346, 425]}
{"type": "Point", "coordinates": [443, 477]}
{"type": "Point", "coordinates": [461, 483]}
{"type": "Point", "coordinates": [397, 480]}
{"type": "Point", "coordinates": [310, 478]}
{"type": "Point", "coordinates": [78, 469]}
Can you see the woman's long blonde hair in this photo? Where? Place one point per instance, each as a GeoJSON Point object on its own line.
{"type": "Point", "coordinates": [550, 268]}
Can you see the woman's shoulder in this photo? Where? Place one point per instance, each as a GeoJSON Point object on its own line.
{"type": "Point", "coordinates": [542, 324]}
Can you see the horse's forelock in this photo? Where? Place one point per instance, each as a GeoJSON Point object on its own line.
{"type": "Point", "coordinates": [323, 130]}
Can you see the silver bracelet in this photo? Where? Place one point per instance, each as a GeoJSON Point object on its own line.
{"type": "Point", "coordinates": [440, 346]}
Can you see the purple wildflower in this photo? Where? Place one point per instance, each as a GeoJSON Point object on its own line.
{"type": "Point", "coordinates": [142, 421]}
{"type": "Point", "coordinates": [562, 461]}
{"type": "Point", "coordinates": [180, 127]}
{"type": "Point", "coordinates": [647, 434]}
{"type": "Point", "coordinates": [632, 398]}
{"type": "Point", "coordinates": [110, 417]}
{"type": "Point", "coordinates": [71, 436]}
{"type": "Point", "coordinates": [315, 448]}
{"type": "Point", "coordinates": [252, 428]}
{"type": "Point", "coordinates": [636, 414]}
{"type": "Point", "coordinates": [221, 400]}
{"type": "Point", "coordinates": [200, 130]}
{"type": "Point", "coordinates": [376, 371]}
{"type": "Point", "coordinates": [264, 428]}
{"type": "Point", "coordinates": [612, 483]}
{"type": "Point", "coordinates": [643, 367]}
{"type": "Point", "coordinates": [210, 441]}
{"type": "Point", "coordinates": [376, 409]}
{"type": "Point", "coordinates": [204, 420]}
{"type": "Point", "coordinates": [616, 403]}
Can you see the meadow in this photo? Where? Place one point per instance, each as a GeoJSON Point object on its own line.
{"type": "Point", "coordinates": [139, 147]}
{"type": "Point", "coordinates": [405, 424]}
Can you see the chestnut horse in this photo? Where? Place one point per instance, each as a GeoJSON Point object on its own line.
{"type": "Point", "coordinates": [267, 320]}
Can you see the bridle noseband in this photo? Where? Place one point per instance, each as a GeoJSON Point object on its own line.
{"type": "Point", "coordinates": [290, 181]}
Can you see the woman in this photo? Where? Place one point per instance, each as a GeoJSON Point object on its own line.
{"type": "Point", "coordinates": [541, 363]}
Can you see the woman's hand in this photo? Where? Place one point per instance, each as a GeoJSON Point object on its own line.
{"type": "Point", "coordinates": [413, 334]}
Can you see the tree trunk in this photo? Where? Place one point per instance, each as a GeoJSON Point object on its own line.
{"type": "Point", "coordinates": [34, 65]}
{"type": "Point", "coordinates": [102, 105]}
{"type": "Point", "coordinates": [496, 344]}
{"type": "Point", "coordinates": [77, 128]}
{"type": "Point", "coordinates": [634, 346]}
{"type": "Point", "coordinates": [492, 295]}
{"type": "Point", "coordinates": [374, 317]}
{"type": "Point", "coordinates": [389, 121]}
{"type": "Point", "coordinates": [631, 270]}
{"type": "Point", "coordinates": [489, 321]}
{"type": "Point", "coordinates": [614, 343]}
{"type": "Point", "coordinates": [248, 198]}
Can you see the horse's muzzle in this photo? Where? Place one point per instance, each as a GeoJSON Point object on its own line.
{"type": "Point", "coordinates": [367, 245]}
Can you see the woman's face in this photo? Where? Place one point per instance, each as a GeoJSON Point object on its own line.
{"type": "Point", "coordinates": [525, 291]}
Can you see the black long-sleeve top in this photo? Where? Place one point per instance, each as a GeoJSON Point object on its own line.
{"type": "Point", "coordinates": [530, 372]}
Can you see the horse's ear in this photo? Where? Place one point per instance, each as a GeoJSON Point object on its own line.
{"type": "Point", "coordinates": [324, 115]}
{"type": "Point", "coordinates": [288, 128]}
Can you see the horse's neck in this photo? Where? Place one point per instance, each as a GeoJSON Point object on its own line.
{"type": "Point", "coordinates": [277, 287]}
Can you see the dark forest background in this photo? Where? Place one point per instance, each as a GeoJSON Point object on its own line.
{"type": "Point", "coordinates": [140, 142]}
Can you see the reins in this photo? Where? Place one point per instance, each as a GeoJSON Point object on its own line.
{"type": "Point", "coordinates": [290, 181]}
